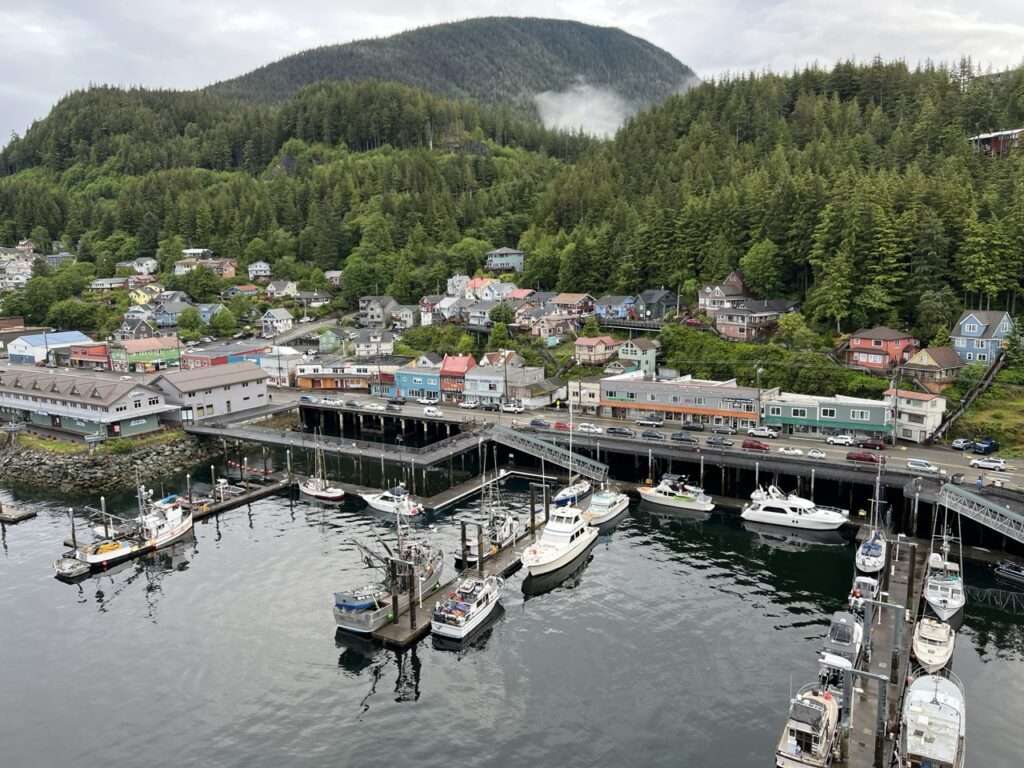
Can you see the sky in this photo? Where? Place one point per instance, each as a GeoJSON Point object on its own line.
{"type": "Point", "coordinates": [51, 47]}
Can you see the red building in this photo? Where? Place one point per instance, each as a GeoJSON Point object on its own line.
{"type": "Point", "coordinates": [453, 376]}
{"type": "Point", "coordinates": [93, 356]}
{"type": "Point", "coordinates": [880, 349]}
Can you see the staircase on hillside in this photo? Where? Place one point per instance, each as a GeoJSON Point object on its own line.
{"type": "Point", "coordinates": [975, 392]}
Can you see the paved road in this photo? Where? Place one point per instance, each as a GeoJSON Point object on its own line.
{"type": "Point", "coordinates": [301, 329]}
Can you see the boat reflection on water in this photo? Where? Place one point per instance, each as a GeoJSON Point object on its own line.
{"type": "Point", "coordinates": [794, 540]}
{"type": "Point", "coordinates": [358, 652]}
{"type": "Point", "coordinates": [568, 575]}
{"type": "Point", "coordinates": [476, 641]}
{"type": "Point", "coordinates": [672, 515]}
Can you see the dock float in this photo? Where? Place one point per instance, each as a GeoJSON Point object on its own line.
{"type": "Point", "coordinates": [10, 515]}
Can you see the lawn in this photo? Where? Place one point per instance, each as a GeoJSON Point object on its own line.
{"type": "Point", "coordinates": [120, 445]}
{"type": "Point", "coordinates": [999, 413]}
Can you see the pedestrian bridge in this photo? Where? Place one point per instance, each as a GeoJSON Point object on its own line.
{"type": "Point", "coordinates": [550, 452]}
{"type": "Point", "coordinates": [1000, 518]}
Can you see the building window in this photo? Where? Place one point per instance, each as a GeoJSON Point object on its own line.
{"type": "Point", "coordinates": [860, 415]}
{"type": "Point", "coordinates": [961, 342]}
{"type": "Point", "coordinates": [982, 357]}
{"type": "Point", "coordinates": [774, 410]}
{"type": "Point", "coordinates": [876, 342]}
{"type": "Point", "coordinates": [799, 413]}
{"type": "Point", "coordinates": [970, 328]}
{"type": "Point", "coordinates": [979, 344]}
{"type": "Point", "coordinates": [828, 413]}
{"type": "Point", "coordinates": [970, 356]}
{"type": "Point", "coordinates": [698, 401]}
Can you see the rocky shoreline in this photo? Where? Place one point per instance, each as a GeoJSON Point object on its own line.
{"type": "Point", "coordinates": [86, 472]}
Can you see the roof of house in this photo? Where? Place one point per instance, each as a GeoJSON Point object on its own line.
{"type": "Point", "coordinates": [733, 285]}
{"type": "Point", "coordinates": [944, 357]}
{"type": "Point", "coordinates": [521, 293]}
{"type": "Point", "coordinates": [432, 298]}
{"type": "Point", "coordinates": [593, 341]}
{"type": "Point", "coordinates": [173, 307]}
{"type": "Point", "coordinates": [246, 287]}
{"type": "Point", "coordinates": [570, 298]}
{"type": "Point", "coordinates": [279, 285]}
{"type": "Point", "coordinates": [504, 251]}
{"type": "Point", "coordinates": [53, 339]}
{"type": "Point", "coordinates": [990, 318]}
{"type": "Point", "coordinates": [68, 387]}
{"type": "Point", "coordinates": [453, 365]}
{"type": "Point", "coordinates": [652, 295]}
{"type": "Point", "coordinates": [227, 350]}
{"type": "Point", "coordinates": [214, 376]}
{"type": "Point", "coordinates": [613, 301]}
{"type": "Point", "coordinates": [645, 343]}
{"type": "Point", "coordinates": [148, 345]}
{"type": "Point", "coordinates": [910, 394]}
{"type": "Point", "coordinates": [478, 282]}
{"type": "Point", "coordinates": [278, 313]}
{"type": "Point", "coordinates": [763, 306]}
{"type": "Point", "coordinates": [369, 336]}
{"type": "Point", "coordinates": [881, 333]}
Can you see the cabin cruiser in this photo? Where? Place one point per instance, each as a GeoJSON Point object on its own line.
{"type": "Point", "coordinates": [871, 553]}
{"type": "Point", "coordinates": [467, 607]}
{"type": "Point", "coordinates": [843, 645]}
{"type": "Point", "coordinates": [1009, 571]}
{"type": "Point", "coordinates": [864, 588]}
{"type": "Point", "coordinates": [393, 501]}
{"type": "Point", "coordinates": [606, 505]}
{"type": "Point", "coordinates": [574, 495]}
{"type": "Point", "coordinates": [944, 582]}
{"type": "Point", "coordinates": [934, 722]}
{"type": "Point", "coordinates": [933, 644]}
{"type": "Point", "coordinates": [369, 607]}
{"type": "Point", "coordinates": [774, 507]}
{"type": "Point", "coordinates": [502, 528]}
{"type": "Point", "coordinates": [810, 738]}
{"type": "Point", "coordinates": [674, 491]}
{"type": "Point", "coordinates": [565, 537]}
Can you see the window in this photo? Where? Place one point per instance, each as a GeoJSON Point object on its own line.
{"type": "Point", "coordinates": [698, 401]}
{"type": "Point", "coordinates": [979, 344]}
{"type": "Point", "coordinates": [860, 415]}
{"type": "Point", "coordinates": [961, 342]}
{"type": "Point", "coordinates": [774, 410]}
{"type": "Point", "coordinates": [982, 356]}
{"type": "Point", "coordinates": [652, 397]}
{"type": "Point", "coordinates": [154, 401]}
{"type": "Point", "coordinates": [137, 403]}
{"type": "Point", "coordinates": [970, 328]}
{"type": "Point", "coordinates": [799, 413]}
{"type": "Point", "coordinates": [970, 356]}
{"type": "Point", "coordinates": [828, 413]}
{"type": "Point", "coordinates": [876, 342]}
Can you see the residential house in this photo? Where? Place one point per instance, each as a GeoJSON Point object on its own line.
{"type": "Point", "coordinates": [552, 327]}
{"type": "Point", "coordinates": [542, 298]}
{"type": "Point", "coordinates": [753, 319]}
{"type": "Point", "coordinates": [723, 295]}
{"type": "Point", "coordinates": [404, 316]}
{"type": "Point", "coordinates": [137, 328]}
{"type": "Point", "coordinates": [453, 376]}
{"type": "Point", "coordinates": [183, 267]}
{"type": "Point", "coordinates": [208, 311]}
{"type": "Point", "coordinates": [480, 314]}
{"type": "Point", "coordinates": [223, 354]}
{"type": "Point", "coordinates": [980, 335]}
{"type": "Point", "coordinates": [144, 294]}
{"type": "Point", "coordinates": [180, 296]}
{"type": "Point", "coordinates": [139, 312]}
{"type": "Point", "coordinates": [573, 303]}
{"type": "Point", "coordinates": [279, 289]}
{"type": "Point", "coordinates": [376, 310]}
{"type": "Point", "coordinates": [505, 260]}
{"type": "Point", "coordinates": [205, 393]}
{"type": "Point", "coordinates": [247, 289]}
{"type": "Point", "coordinates": [485, 385]}
{"type": "Point", "coordinates": [420, 378]}
{"type": "Point", "coordinates": [457, 285]}
{"type": "Point", "coordinates": [683, 399]}
{"type": "Point", "coordinates": [496, 290]}
{"type": "Point", "coordinates": [476, 286]}
{"type": "Point", "coordinates": [428, 307]}
{"type": "Point", "coordinates": [333, 277]}
{"type": "Point", "coordinates": [934, 368]}
{"type": "Point", "coordinates": [794, 414]}
{"type": "Point", "coordinates": [58, 260]}
{"type": "Point", "coordinates": [281, 363]}
{"type": "Point", "coordinates": [595, 350]}
{"type": "Point", "coordinates": [329, 341]}
{"type": "Point", "coordinates": [106, 284]}
{"type": "Point", "coordinates": [167, 313]}
{"type": "Point", "coordinates": [880, 349]}
{"type": "Point", "coordinates": [585, 395]}
{"type": "Point", "coordinates": [371, 342]}
{"type": "Point", "coordinates": [615, 307]}
{"type": "Point", "coordinates": [276, 321]}
{"type": "Point", "coordinates": [502, 357]}
{"type": "Point", "coordinates": [78, 405]}
{"type": "Point", "coordinates": [642, 353]}
{"type": "Point", "coordinates": [615, 367]}
{"type": "Point", "coordinates": [525, 384]}
{"type": "Point", "coordinates": [39, 348]}
{"type": "Point", "coordinates": [446, 309]}
{"type": "Point", "coordinates": [917, 414]}
{"type": "Point", "coordinates": [196, 253]}
{"type": "Point", "coordinates": [145, 355]}
{"type": "Point", "coordinates": [259, 270]}
{"type": "Point", "coordinates": [16, 273]}
{"type": "Point", "coordinates": [997, 143]}
{"type": "Point", "coordinates": [313, 299]}
{"type": "Point", "coordinates": [144, 265]}
{"type": "Point", "coordinates": [521, 294]}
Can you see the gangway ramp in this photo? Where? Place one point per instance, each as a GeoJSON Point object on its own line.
{"type": "Point", "coordinates": [550, 452]}
{"type": "Point", "coordinates": [999, 517]}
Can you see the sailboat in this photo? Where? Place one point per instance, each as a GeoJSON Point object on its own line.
{"type": "Point", "coordinates": [944, 581]}
{"type": "Point", "coordinates": [317, 486]}
{"type": "Point", "coordinates": [871, 554]}
{"type": "Point", "coordinates": [575, 494]}
{"type": "Point", "coordinates": [502, 524]}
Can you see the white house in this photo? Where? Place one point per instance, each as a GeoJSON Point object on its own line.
{"type": "Point", "coordinates": [279, 288]}
{"type": "Point", "coordinates": [457, 285]}
{"type": "Point", "coordinates": [496, 291]}
{"type": "Point", "coordinates": [35, 348]}
{"type": "Point", "coordinates": [260, 270]}
{"type": "Point", "coordinates": [371, 342]}
{"type": "Point", "coordinates": [276, 321]}
{"type": "Point", "coordinates": [917, 414]}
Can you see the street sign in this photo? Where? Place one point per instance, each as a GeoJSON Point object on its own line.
{"type": "Point", "coordinates": [95, 438]}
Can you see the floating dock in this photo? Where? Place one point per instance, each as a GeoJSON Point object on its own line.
{"type": "Point", "coordinates": [10, 515]}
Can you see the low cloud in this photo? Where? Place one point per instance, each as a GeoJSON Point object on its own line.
{"type": "Point", "coordinates": [598, 111]}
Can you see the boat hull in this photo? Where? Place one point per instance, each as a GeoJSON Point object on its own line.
{"type": "Point", "coordinates": [606, 515]}
{"type": "Point", "coordinates": [675, 502]}
{"type": "Point", "coordinates": [801, 522]}
{"type": "Point", "coordinates": [465, 630]}
{"type": "Point", "coordinates": [364, 622]}
{"type": "Point", "coordinates": [545, 562]}
{"type": "Point", "coordinates": [945, 610]}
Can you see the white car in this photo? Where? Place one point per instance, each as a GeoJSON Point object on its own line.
{"type": "Point", "coordinates": [432, 411]}
{"type": "Point", "coordinates": [373, 406]}
{"type": "Point", "coordinates": [816, 453]}
{"type": "Point", "coordinates": [989, 462]}
{"type": "Point", "coordinates": [512, 407]}
{"type": "Point", "coordinates": [840, 440]}
{"type": "Point", "coordinates": [306, 319]}
{"type": "Point", "coordinates": [427, 401]}
{"type": "Point", "coordinates": [789, 450]}
{"type": "Point", "coordinates": [592, 429]}
{"type": "Point", "coordinates": [768, 432]}
{"type": "Point", "coordinates": [922, 465]}
{"type": "Point", "coordinates": [469, 404]}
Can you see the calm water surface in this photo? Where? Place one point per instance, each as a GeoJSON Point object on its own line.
{"type": "Point", "coordinates": [675, 646]}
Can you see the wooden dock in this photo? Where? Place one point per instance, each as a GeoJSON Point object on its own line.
{"type": "Point", "coordinates": [10, 515]}
{"type": "Point", "coordinates": [254, 493]}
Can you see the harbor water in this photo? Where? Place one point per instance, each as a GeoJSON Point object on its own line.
{"type": "Point", "coordinates": [677, 644]}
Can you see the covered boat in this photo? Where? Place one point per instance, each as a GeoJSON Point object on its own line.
{"type": "Point", "coordinates": [843, 645]}
{"type": "Point", "coordinates": [673, 491]}
{"type": "Point", "coordinates": [810, 737]}
{"type": "Point", "coordinates": [606, 505]}
{"type": "Point", "coordinates": [933, 723]}
{"type": "Point", "coordinates": [933, 644]}
{"type": "Point", "coordinates": [467, 608]}
{"type": "Point", "coordinates": [575, 494]}
{"type": "Point", "coordinates": [871, 553]}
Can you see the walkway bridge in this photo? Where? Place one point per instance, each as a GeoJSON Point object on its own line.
{"type": "Point", "coordinates": [549, 452]}
{"type": "Point", "coordinates": [980, 509]}
{"type": "Point", "coordinates": [1006, 600]}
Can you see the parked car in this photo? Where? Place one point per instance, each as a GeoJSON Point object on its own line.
{"type": "Point", "coordinates": [685, 439]}
{"type": "Point", "coordinates": [398, 400]}
{"type": "Point", "coordinates": [394, 408]}
{"type": "Point", "coordinates": [962, 444]}
{"type": "Point", "coordinates": [650, 434]}
{"type": "Point", "coordinates": [561, 425]}
{"type": "Point", "coordinates": [723, 429]}
{"type": "Point", "coordinates": [469, 404]}
{"type": "Point", "coordinates": [768, 432]}
{"type": "Point", "coordinates": [306, 399]}
{"type": "Point", "coordinates": [649, 422]}
{"type": "Point", "coordinates": [751, 444]}
{"type": "Point", "coordinates": [351, 404]}
{"type": "Point", "coordinates": [719, 441]}
{"type": "Point", "coordinates": [512, 407]}
{"type": "Point", "coordinates": [207, 339]}
{"type": "Point", "coordinates": [789, 450]}
{"type": "Point", "coordinates": [871, 443]}
{"type": "Point", "coordinates": [922, 465]}
{"type": "Point", "coordinates": [432, 411]}
{"type": "Point", "coordinates": [692, 426]}
{"type": "Point", "coordinates": [427, 401]}
{"type": "Point", "coordinates": [591, 429]}
{"type": "Point", "coordinates": [621, 431]}
{"type": "Point", "coordinates": [373, 406]}
{"type": "Point", "coordinates": [540, 424]}
{"type": "Point", "coordinates": [985, 446]}
{"type": "Point", "coordinates": [840, 440]}
{"type": "Point", "coordinates": [865, 457]}
{"type": "Point", "coordinates": [693, 322]}
{"type": "Point", "coordinates": [989, 462]}
{"type": "Point", "coordinates": [816, 453]}
{"type": "Point", "coordinates": [491, 407]}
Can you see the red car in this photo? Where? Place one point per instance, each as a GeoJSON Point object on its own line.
{"type": "Point", "coordinates": [755, 445]}
{"type": "Point", "coordinates": [874, 445]}
{"type": "Point", "coordinates": [562, 426]}
{"type": "Point", "coordinates": [866, 457]}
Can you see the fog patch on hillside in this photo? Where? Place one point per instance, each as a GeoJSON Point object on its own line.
{"type": "Point", "coordinates": [598, 111]}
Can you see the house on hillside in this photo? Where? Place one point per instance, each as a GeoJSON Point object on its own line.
{"type": "Point", "coordinates": [753, 319]}
{"type": "Point", "coordinates": [276, 321]}
{"type": "Point", "coordinates": [248, 290]}
{"type": "Point", "coordinates": [167, 313]}
{"type": "Point", "coordinates": [642, 353]}
{"type": "Point", "coordinates": [573, 303]}
{"type": "Point", "coordinates": [333, 277]}
{"type": "Point", "coordinates": [279, 289]}
{"type": "Point", "coordinates": [656, 303]}
{"type": "Point", "coordinates": [428, 308]}
{"type": "Point", "coordinates": [371, 342]}
{"type": "Point", "coordinates": [717, 296]}
{"type": "Point", "coordinates": [615, 307]}
{"type": "Point", "coordinates": [404, 316]}
{"type": "Point", "coordinates": [595, 350]}
{"type": "Point", "coordinates": [980, 336]}
{"type": "Point", "coordinates": [476, 285]}
{"type": "Point", "coordinates": [505, 260]}
{"type": "Point", "coordinates": [208, 311]}
{"type": "Point", "coordinates": [259, 270]}
{"type": "Point", "coordinates": [997, 143]}
{"type": "Point", "coordinates": [457, 286]}
{"type": "Point", "coordinates": [880, 349]}
{"type": "Point", "coordinates": [497, 290]}
{"type": "Point", "coordinates": [376, 310]}
{"type": "Point", "coordinates": [934, 368]}
{"type": "Point", "coordinates": [137, 328]}
{"type": "Point", "coordinates": [107, 284]}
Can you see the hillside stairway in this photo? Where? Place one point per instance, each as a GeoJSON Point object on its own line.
{"type": "Point", "coordinates": [976, 391]}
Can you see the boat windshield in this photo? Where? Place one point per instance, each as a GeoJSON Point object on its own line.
{"type": "Point", "coordinates": [841, 633]}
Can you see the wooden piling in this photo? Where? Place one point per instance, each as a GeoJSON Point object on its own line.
{"type": "Point", "coordinates": [393, 568]}
{"type": "Point", "coordinates": [480, 549]}
{"type": "Point", "coordinates": [412, 598]}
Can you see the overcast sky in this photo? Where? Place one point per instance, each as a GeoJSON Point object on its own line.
{"type": "Point", "coordinates": [51, 47]}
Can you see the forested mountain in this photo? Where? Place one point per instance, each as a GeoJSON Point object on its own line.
{"type": "Point", "coordinates": [495, 60]}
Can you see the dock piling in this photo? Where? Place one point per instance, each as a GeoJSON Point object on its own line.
{"type": "Point", "coordinates": [103, 513]}
{"type": "Point", "coordinates": [465, 546]}
{"type": "Point", "coordinates": [412, 598]}
{"type": "Point", "coordinates": [188, 487]}
{"type": "Point", "coordinates": [394, 592]}
{"type": "Point", "coordinates": [480, 549]}
{"type": "Point", "coordinates": [533, 511]}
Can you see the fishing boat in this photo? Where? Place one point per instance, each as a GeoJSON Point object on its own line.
{"type": "Point", "coordinates": [606, 505]}
{"type": "Point", "coordinates": [944, 581]}
{"type": "Point", "coordinates": [810, 738]}
{"type": "Point", "coordinates": [864, 588]}
{"type": "Point", "coordinates": [1009, 571]}
{"type": "Point", "coordinates": [394, 501]}
{"type": "Point", "coordinates": [774, 507]}
{"type": "Point", "coordinates": [565, 537]}
{"type": "Point", "coordinates": [369, 607]}
{"type": "Point", "coordinates": [674, 491]}
{"type": "Point", "coordinates": [933, 644]}
{"type": "Point", "coordinates": [502, 525]}
{"type": "Point", "coordinates": [843, 644]}
{"type": "Point", "coordinates": [933, 722]}
{"type": "Point", "coordinates": [317, 486]}
{"type": "Point", "coordinates": [465, 609]}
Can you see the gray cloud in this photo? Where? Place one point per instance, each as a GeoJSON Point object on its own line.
{"type": "Point", "coordinates": [53, 46]}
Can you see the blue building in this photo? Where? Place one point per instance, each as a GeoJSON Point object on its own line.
{"type": "Point", "coordinates": [615, 307]}
{"type": "Point", "coordinates": [980, 335]}
{"type": "Point", "coordinates": [505, 260]}
{"type": "Point", "coordinates": [37, 348]}
{"type": "Point", "coordinates": [420, 378]}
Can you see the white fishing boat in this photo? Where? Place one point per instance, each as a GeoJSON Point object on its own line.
{"type": "Point", "coordinates": [502, 524]}
{"type": "Point", "coordinates": [369, 607]}
{"type": "Point", "coordinates": [933, 644]}
{"type": "Point", "coordinates": [864, 588]}
{"type": "Point", "coordinates": [317, 486]}
{"type": "Point", "coordinates": [774, 507]}
{"type": "Point", "coordinates": [606, 505]}
{"type": "Point", "coordinates": [674, 491]}
{"type": "Point", "coordinates": [933, 723]}
{"type": "Point", "coordinates": [810, 738]}
{"type": "Point", "coordinates": [843, 644]}
{"type": "Point", "coordinates": [565, 537]}
{"type": "Point", "coordinates": [944, 581]}
{"type": "Point", "coordinates": [465, 609]}
{"type": "Point", "coordinates": [394, 501]}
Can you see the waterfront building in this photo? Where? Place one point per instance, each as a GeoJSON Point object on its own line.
{"type": "Point", "coordinates": [795, 414]}
{"type": "Point", "coordinates": [145, 355]}
{"type": "Point", "coordinates": [917, 414]}
{"type": "Point", "coordinates": [38, 347]}
{"type": "Point", "coordinates": [682, 399]}
{"type": "Point", "coordinates": [203, 393]}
